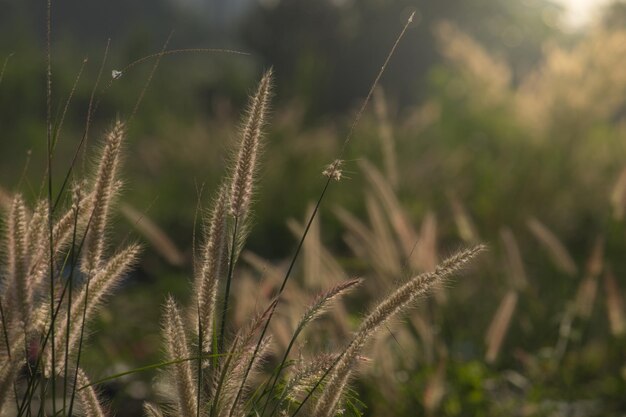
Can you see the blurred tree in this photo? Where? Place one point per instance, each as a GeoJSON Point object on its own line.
{"type": "Point", "coordinates": [614, 15]}
{"type": "Point", "coordinates": [327, 52]}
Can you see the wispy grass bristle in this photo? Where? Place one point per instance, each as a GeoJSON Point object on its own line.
{"type": "Point", "coordinates": [16, 266]}
{"type": "Point", "coordinates": [177, 349]}
{"type": "Point", "coordinates": [152, 410]}
{"type": "Point", "coordinates": [500, 324]}
{"type": "Point", "coordinates": [212, 268]}
{"type": "Point", "coordinates": [555, 248]}
{"type": "Point", "coordinates": [91, 297]}
{"type": "Point", "coordinates": [322, 302]}
{"type": "Point", "coordinates": [391, 306]}
{"type": "Point", "coordinates": [89, 401]}
{"type": "Point", "coordinates": [104, 188]}
{"type": "Point", "coordinates": [243, 175]}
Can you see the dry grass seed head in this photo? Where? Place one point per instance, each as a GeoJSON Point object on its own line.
{"type": "Point", "coordinates": [151, 410]}
{"type": "Point", "coordinates": [91, 296]}
{"type": "Point", "coordinates": [87, 397]}
{"type": "Point", "coordinates": [514, 263]}
{"type": "Point", "coordinates": [614, 305]}
{"type": "Point", "coordinates": [244, 171]}
{"type": "Point", "coordinates": [16, 247]}
{"type": "Point", "coordinates": [322, 302]}
{"type": "Point", "coordinates": [104, 188]}
{"type": "Point", "coordinates": [153, 234]}
{"type": "Point", "coordinates": [177, 349]}
{"type": "Point", "coordinates": [500, 325]}
{"type": "Point", "coordinates": [397, 217]}
{"type": "Point", "coordinates": [555, 248]}
{"type": "Point", "coordinates": [213, 264]}
{"type": "Point", "coordinates": [388, 308]}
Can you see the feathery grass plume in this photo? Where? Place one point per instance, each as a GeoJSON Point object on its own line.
{"type": "Point", "coordinates": [64, 227]}
{"type": "Point", "coordinates": [316, 309]}
{"type": "Point", "coordinates": [11, 360]}
{"type": "Point", "coordinates": [7, 378]}
{"type": "Point", "coordinates": [104, 188]}
{"type": "Point", "coordinates": [500, 325]}
{"type": "Point", "coordinates": [385, 241]}
{"type": "Point", "coordinates": [492, 75]}
{"type": "Point", "coordinates": [427, 334]}
{"type": "Point", "coordinates": [304, 376]}
{"type": "Point", "coordinates": [557, 251]}
{"type": "Point", "coordinates": [245, 336]}
{"type": "Point", "coordinates": [321, 269]}
{"type": "Point", "coordinates": [36, 230]}
{"type": "Point", "coordinates": [177, 349]}
{"type": "Point", "coordinates": [151, 410]}
{"type": "Point", "coordinates": [515, 265]}
{"type": "Point", "coordinates": [17, 245]}
{"type": "Point", "coordinates": [425, 258]}
{"type": "Point", "coordinates": [91, 296]}
{"type": "Point", "coordinates": [464, 224]}
{"type": "Point", "coordinates": [397, 217]}
{"type": "Point", "coordinates": [323, 301]}
{"type": "Point", "coordinates": [90, 404]}
{"type": "Point", "coordinates": [614, 305]}
{"type": "Point", "coordinates": [212, 268]}
{"type": "Point", "coordinates": [363, 242]}
{"type": "Point", "coordinates": [228, 378]}
{"type": "Point", "coordinates": [385, 134]}
{"type": "Point", "coordinates": [249, 357]}
{"type": "Point", "coordinates": [312, 250]}
{"type": "Point", "coordinates": [618, 196]}
{"type": "Point", "coordinates": [388, 308]}
{"type": "Point", "coordinates": [242, 181]}
{"type": "Point", "coordinates": [588, 287]}
{"type": "Point", "coordinates": [62, 233]}
{"type": "Point", "coordinates": [5, 199]}
{"type": "Point", "coordinates": [161, 243]}
{"type": "Point", "coordinates": [334, 170]}
{"type": "Point", "coordinates": [435, 389]}
{"type": "Point", "coordinates": [37, 254]}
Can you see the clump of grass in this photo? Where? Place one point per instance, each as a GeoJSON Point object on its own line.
{"type": "Point", "coordinates": [210, 372]}
{"type": "Point", "coordinates": [223, 380]}
{"type": "Point", "coordinates": [55, 275]}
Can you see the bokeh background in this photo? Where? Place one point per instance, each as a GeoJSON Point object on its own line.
{"type": "Point", "coordinates": [496, 121]}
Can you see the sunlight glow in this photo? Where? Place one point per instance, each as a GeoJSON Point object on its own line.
{"type": "Point", "coordinates": [579, 13]}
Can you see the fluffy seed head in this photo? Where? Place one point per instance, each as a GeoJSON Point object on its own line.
{"type": "Point", "coordinates": [103, 194]}
{"type": "Point", "coordinates": [17, 244]}
{"type": "Point", "coordinates": [176, 346]}
{"type": "Point", "coordinates": [91, 297]}
{"type": "Point", "coordinates": [244, 171]}
{"type": "Point", "coordinates": [322, 302]}
{"type": "Point", "coordinates": [334, 170]}
{"type": "Point", "coordinates": [88, 398]}
{"type": "Point", "coordinates": [390, 307]}
{"type": "Point", "coordinates": [213, 263]}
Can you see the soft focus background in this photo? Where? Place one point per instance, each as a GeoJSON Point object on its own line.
{"type": "Point", "coordinates": [500, 121]}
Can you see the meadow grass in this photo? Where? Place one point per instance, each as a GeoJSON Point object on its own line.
{"type": "Point", "coordinates": [58, 269]}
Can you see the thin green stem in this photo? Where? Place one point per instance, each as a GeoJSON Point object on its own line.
{"type": "Point", "coordinates": [90, 111]}
{"type": "Point", "coordinates": [218, 390]}
{"type": "Point", "coordinates": [319, 382]}
{"type": "Point", "coordinates": [280, 291]}
{"type": "Point", "coordinates": [231, 269]}
{"type": "Point", "coordinates": [49, 146]}
{"type": "Point", "coordinates": [28, 394]}
{"type": "Point", "coordinates": [69, 308]}
{"type": "Point", "coordinates": [281, 367]}
{"type": "Point", "coordinates": [200, 336]}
